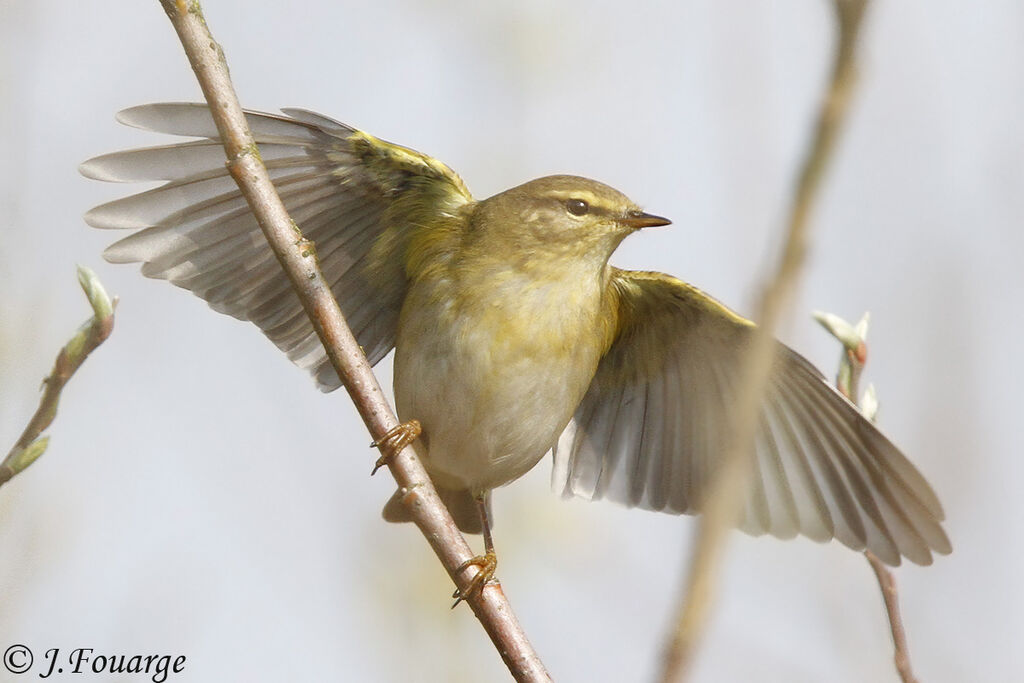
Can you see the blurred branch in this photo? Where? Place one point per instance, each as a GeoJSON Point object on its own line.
{"type": "Point", "coordinates": [298, 258]}
{"type": "Point", "coordinates": [91, 334]}
{"type": "Point", "coordinates": [724, 500]}
{"type": "Point", "coordinates": [854, 341]}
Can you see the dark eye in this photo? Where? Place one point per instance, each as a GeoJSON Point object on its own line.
{"type": "Point", "coordinates": [577, 207]}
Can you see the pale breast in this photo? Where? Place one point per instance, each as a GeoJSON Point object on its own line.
{"type": "Point", "coordinates": [494, 379]}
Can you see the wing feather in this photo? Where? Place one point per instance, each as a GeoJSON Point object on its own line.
{"type": "Point", "coordinates": [339, 184]}
{"type": "Point", "coordinates": [651, 428]}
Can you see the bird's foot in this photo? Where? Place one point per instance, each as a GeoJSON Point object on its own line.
{"type": "Point", "coordinates": [486, 563]}
{"type": "Point", "coordinates": [394, 441]}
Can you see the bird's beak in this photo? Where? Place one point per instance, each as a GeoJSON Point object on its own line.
{"type": "Point", "coordinates": [638, 219]}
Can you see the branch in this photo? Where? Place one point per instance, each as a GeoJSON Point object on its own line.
{"type": "Point", "coordinates": [91, 334]}
{"type": "Point", "coordinates": [298, 258]}
{"type": "Point", "coordinates": [855, 353]}
{"type": "Point", "coordinates": [724, 499]}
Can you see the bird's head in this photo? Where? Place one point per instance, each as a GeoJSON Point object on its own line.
{"type": "Point", "coordinates": [559, 216]}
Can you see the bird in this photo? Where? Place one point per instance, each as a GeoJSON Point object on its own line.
{"type": "Point", "coordinates": [514, 336]}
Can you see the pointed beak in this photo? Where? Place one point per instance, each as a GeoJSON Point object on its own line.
{"type": "Point", "coordinates": [638, 219]}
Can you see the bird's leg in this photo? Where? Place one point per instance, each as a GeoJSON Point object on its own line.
{"type": "Point", "coordinates": [394, 441]}
{"type": "Point", "coordinates": [486, 563]}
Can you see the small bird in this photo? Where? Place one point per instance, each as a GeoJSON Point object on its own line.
{"type": "Point", "coordinates": [513, 335]}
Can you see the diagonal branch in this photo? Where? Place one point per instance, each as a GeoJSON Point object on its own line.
{"type": "Point", "coordinates": [96, 329]}
{"type": "Point", "coordinates": [724, 500]}
{"type": "Point", "coordinates": [298, 258]}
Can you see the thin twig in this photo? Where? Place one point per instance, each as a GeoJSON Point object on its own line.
{"type": "Point", "coordinates": [854, 340]}
{"type": "Point", "coordinates": [891, 596]}
{"type": "Point", "coordinates": [724, 500]}
{"type": "Point", "coordinates": [91, 334]}
{"type": "Point", "coordinates": [298, 258]}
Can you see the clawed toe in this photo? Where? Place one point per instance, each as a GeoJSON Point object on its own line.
{"type": "Point", "coordinates": [394, 441]}
{"type": "Point", "coordinates": [487, 564]}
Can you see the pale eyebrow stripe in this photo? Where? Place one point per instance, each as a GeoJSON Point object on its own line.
{"type": "Point", "coordinates": [586, 195]}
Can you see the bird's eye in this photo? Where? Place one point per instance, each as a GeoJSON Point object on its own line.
{"type": "Point", "coordinates": [577, 207]}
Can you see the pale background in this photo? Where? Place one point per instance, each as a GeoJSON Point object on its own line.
{"type": "Point", "coordinates": [201, 498]}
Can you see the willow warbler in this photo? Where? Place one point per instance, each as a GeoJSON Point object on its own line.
{"type": "Point", "coordinates": [513, 334]}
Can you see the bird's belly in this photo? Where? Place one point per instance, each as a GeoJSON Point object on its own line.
{"type": "Point", "coordinates": [492, 396]}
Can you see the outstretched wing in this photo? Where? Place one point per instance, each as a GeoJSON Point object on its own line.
{"type": "Point", "coordinates": [339, 184]}
{"type": "Point", "coordinates": [651, 429]}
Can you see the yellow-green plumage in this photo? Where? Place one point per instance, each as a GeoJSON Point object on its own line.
{"type": "Point", "coordinates": [514, 335]}
{"type": "Point", "coordinates": [494, 353]}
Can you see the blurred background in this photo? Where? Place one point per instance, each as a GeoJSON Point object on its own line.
{"type": "Point", "coordinates": [200, 497]}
